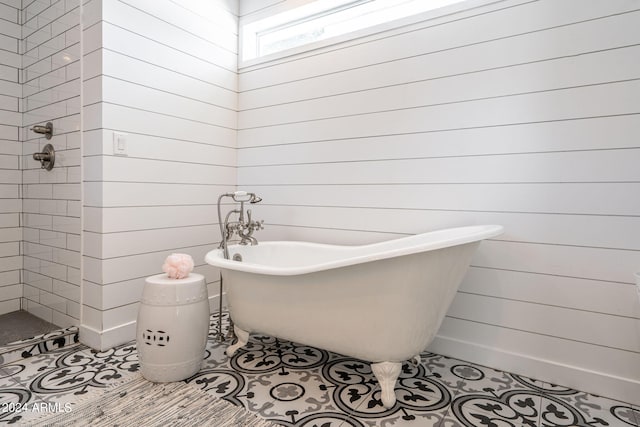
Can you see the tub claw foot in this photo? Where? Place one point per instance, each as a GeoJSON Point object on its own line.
{"type": "Point", "coordinates": [387, 373]}
{"type": "Point", "coordinates": [243, 339]}
{"type": "Point", "coordinates": [416, 360]}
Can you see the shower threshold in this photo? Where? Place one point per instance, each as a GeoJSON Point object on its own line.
{"type": "Point", "coordinates": [23, 335]}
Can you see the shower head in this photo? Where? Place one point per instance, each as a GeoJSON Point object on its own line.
{"type": "Point", "coordinates": [255, 199]}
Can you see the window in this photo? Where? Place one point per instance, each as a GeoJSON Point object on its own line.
{"type": "Point", "coordinates": [325, 20]}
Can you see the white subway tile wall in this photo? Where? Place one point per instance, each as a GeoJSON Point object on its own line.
{"type": "Point", "coordinates": [163, 75]}
{"type": "Point", "coordinates": [519, 113]}
{"type": "Point", "coordinates": [10, 151]}
{"type": "Point", "coordinates": [50, 77]}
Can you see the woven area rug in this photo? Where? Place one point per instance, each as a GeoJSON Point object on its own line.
{"type": "Point", "coordinates": [139, 402]}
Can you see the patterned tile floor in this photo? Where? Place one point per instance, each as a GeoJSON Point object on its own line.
{"type": "Point", "coordinates": [297, 385]}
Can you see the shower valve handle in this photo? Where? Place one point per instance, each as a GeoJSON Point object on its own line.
{"type": "Point", "coordinates": [47, 158]}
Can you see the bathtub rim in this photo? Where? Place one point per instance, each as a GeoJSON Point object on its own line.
{"type": "Point", "coordinates": [460, 236]}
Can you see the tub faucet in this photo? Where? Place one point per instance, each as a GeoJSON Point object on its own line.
{"type": "Point", "coordinates": [244, 229]}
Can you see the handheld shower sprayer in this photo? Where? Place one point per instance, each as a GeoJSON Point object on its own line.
{"type": "Point", "coordinates": [236, 195]}
{"type": "Point", "coordinates": [243, 196]}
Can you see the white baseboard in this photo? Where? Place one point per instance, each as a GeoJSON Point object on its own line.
{"type": "Point", "coordinates": [121, 334]}
{"type": "Point", "coordinates": [109, 338]}
{"type": "Point", "coordinates": [594, 382]}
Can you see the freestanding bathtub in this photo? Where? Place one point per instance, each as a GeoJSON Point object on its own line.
{"type": "Point", "coordinates": [382, 303]}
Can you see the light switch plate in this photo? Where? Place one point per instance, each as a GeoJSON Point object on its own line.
{"type": "Point", "coordinates": [120, 144]}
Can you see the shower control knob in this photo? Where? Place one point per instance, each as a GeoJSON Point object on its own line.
{"type": "Point", "coordinates": [47, 157]}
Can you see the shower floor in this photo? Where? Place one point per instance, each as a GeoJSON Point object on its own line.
{"type": "Point", "coordinates": [298, 385]}
{"type": "Point", "coordinates": [21, 325]}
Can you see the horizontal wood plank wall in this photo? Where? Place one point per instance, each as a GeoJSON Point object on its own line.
{"type": "Point", "coordinates": [50, 48]}
{"type": "Point", "coordinates": [164, 73]}
{"type": "Point", "coordinates": [520, 113]}
{"type": "Point", "coordinates": [11, 287]}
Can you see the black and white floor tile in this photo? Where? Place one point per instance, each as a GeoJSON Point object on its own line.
{"type": "Point", "coordinates": [298, 385]}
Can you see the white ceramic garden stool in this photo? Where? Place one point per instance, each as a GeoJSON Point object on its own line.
{"type": "Point", "coordinates": [173, 323]}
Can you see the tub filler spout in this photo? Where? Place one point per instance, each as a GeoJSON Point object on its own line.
{"type": "Point", "coordinates": [246, 229]}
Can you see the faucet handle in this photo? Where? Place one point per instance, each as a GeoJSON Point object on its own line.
{"type": "Point", "coordinates": [47, 158]}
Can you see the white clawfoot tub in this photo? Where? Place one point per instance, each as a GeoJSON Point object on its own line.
{"type": "Point", "coordinates": [382, 303]}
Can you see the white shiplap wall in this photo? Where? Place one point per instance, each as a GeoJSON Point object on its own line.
{"type": "Point", "coordinates": [520, 113]}
{"type": "Point", "coordinates": [10, 150]}
{"type": "Point", "coordinates": [50, 48]}
{"type": "Point", "coordinates": [165, 74]}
